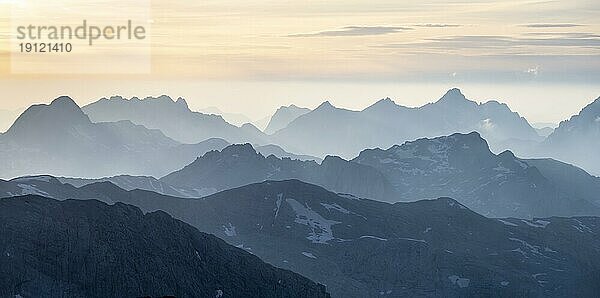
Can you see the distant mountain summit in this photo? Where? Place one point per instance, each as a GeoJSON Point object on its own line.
{"type": "Point", "coordinates": [60, 139]}
{"type": "Point", "coordinates": [283, 116]}
{"type": "Point", "coordinates": [239, 165]}
{"type": "Point", "coordinates": [42, 121]}
{"type": "Point", "coordinates": [462, 166]}
{"type": "Point", "coordinates": [331, 130]}
{"type": "Point", "coordinates": [173, 118]}
{"type": "Point", "coordinates": [577, 140]}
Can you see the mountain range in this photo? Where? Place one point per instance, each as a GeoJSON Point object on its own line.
{"type": "Point", "coordinates": [238, 165]}
{"type": "Point", "coordinates": [173, 118]}
{"type": "Point", "coordinates": [461, 166]}
{"type": "Point", "coordinates": [331, 130]}
{"type": "Point", "coordinates": [60, 139]}
{"type": "Point", "coordinates": [577, 140]}
{"type": "Point", "coordinates": [78, 248]}
{"type": "Point", "coordinates": [364, 248]}
{"type": "Point", "coordinates": [283, 116]}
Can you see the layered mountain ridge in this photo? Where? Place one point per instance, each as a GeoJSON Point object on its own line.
{"type": "Point", "coordinates": [331, 130]}
{"type": "Point", "coordinates": [173, 118]}
{"type": "Point", "coordinates": [365, 248]}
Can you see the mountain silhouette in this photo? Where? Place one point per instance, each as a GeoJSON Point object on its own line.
{"type": "Point", "coordinates": [462, 166]}
{"type": "Point", "coordinates": [331, 130]}
{"type": "Point", "coordinates": [87, 248]}
{"type": "Point", "coordinates": [283, 116]}
{"type": "Point", "coordinates": [238, 165]}
{"type": "Point", "coordinates": [173, 118]}
{"type": "Point", "coordinates": [577, 140]}
{"type": "Point", "coordinates": [60, 139]}
{"type": "Point", "coordinates": [361, 248]}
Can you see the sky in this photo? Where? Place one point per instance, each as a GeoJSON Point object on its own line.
{"type": "Point", "coordinates": [252, 56]}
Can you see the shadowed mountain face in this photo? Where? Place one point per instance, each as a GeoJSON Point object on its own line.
{"type": "Point", "coordinates": [331, 130]}
{"type": "Point", "coordinates": [89, 249]}
{"type": "Point", "coordinates": [60, 139]}
{"type": "Point", "coordinates": [173, 118]}
{"type": "Point", "coordinates": [364, 248]}
{"type": "Point", "coordinates": [283, 116]}
{"type": "Point", "coordinates": [239, 165]}
{"type": "Point", "coordinates": [462, 167]}
{"type": "Point", "coordinates": [577, 140]}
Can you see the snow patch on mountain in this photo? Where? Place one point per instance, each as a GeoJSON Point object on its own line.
{"type": "Point", "coordinates": [320, 227]}
{"type": "Point", "coordinates": [508, 223]}
{"type": "Point", "coordinates": [27, 189]}
{"type": "Point", "coordinates": [372, 237]}
{"type": "Point", "coordinates": [536, 223]}
{"type": "Point", "coordinates": [229, 230]}
{"type": "Point", "coordinates": [308, 255]}
{"type": "Point", "coordinates": [459, 281]}
{"type": "Point", "coordinates": [335, 207]}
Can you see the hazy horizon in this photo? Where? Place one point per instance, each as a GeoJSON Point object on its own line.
{"type": "Point", "coordinates": [253, 57]}
{"type": "Point", "coordinates": [260, 99]}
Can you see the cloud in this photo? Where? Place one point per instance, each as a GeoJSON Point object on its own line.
{"type": "Point", "coordinates": [499, 42]}
{"type": "Point", "coordinates": [551, 25]}
{"type": "Point", "coordinates": [355, 31]}
{"type": "Point", "coordinates": [438, 25]}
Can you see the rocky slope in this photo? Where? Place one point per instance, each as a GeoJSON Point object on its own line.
{"type": "Point", "coordinates": [86, 248]}
{"type": "Point", "coordinates": [364, 248]}
{"type": "Point", "coordinates": [239, 165]}
{"type": "Point", "coordinates": [577, 140]}
{"type": "Point", "coordinates": [462, 166]}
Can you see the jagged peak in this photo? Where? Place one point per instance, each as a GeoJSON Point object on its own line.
{"type": "Point", "coordinates": [181, 101]}
{"type": "Point", "coordinates": [453, 140]}
{"type": "Point", "coordinates": [326, 105]}
{"type": "Point", "coordinates": [245, 148]}
{"type": "Point", "coordinates": [453, 95]}
{"type": "Point", "coordinates": [290, 107]}
{"type": "Point", "coordinates": [384, 103]}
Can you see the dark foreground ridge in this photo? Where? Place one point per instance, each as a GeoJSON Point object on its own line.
{"type": "Point", "coordinates": [78, 248]}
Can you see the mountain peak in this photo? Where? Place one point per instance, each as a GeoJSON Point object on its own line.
{"type": "Point", "coordinates": [181, 101]}
{"type": "Point", "coordinates": [64, 102]}
{"type": "Point", "coordinates": [61, 113]}
{"type": "Point", "coordinates": [237, 149]}
{"type": "Point", "coordinates": [385, 103]}
{"type": "Point", "coordinates": [454, 95]}
{"type": "Point", "coordinates": [325, 106]}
